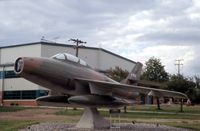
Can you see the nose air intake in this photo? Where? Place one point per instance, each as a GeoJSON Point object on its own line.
{"type": "Point", "coordinates": [19, 65]}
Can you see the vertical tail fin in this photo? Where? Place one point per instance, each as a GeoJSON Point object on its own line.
{"type": "Point", "coordinates": [134, 75]}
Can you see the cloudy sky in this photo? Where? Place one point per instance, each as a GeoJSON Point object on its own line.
{"type": "Point", "coordinates": [136, 29]}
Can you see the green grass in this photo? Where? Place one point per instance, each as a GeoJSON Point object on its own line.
{"type": "Point", "coordinates": [189, 119]}
{"type": "Point", "coordinates": [11, 125]}
{"type": "Point", "coordinates": [158, 116]}
{"type": "Point", "coordinates": [12, 108]}
{"type": "Point", "coordinates": [167, 108]}
{"type": "Point", "coordinates": [182, 120]}
{"type": "Point", "coordinates": [70, 112]}
{"type": "Point", "coordinates": [134, 115]}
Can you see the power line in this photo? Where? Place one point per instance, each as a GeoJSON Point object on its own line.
{"type": "Point", "coordinates": [77, 41]}
{"type": "Point", "coordinates": [179, 64]}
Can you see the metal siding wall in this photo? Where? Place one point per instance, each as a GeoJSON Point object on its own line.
{"type": "Point", "coordinates": [0, 55]}
{"type": "Point", "coordinates": [109, 60]}
{"type": "Point", "coordinates": [9, 55]}
{"type": "Point", "coordinates": [19, 84]}
{"type": "Point", "coordinates": [90, 56]}
{"type": "Point", "coordinates": [96, 58]}
{"type": "Point", "coordinates": [9, 68]}
{"type": "Point", "coordinates": [1, 69]}
{"type": "Point", "coordinates": [49, 50]}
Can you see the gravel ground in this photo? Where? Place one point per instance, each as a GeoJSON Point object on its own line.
{"type": "Point", "coordinates": [123, 127]}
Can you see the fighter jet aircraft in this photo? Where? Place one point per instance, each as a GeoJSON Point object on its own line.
{"type": "Point", "coordinates": [77, 83]}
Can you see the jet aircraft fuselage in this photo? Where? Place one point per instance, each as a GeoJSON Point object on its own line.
{"type": "Point", "coordinates": [62, 73]}
{"type": "Point", "coordinates": [70, 76]}
{"type": "Point", "coordinates": [76, 83]}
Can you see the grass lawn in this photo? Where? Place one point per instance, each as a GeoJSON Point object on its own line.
{"type": "Point", "coordinates": [167, 108]}
{"type": "Point", "coordinates": [12, 108]}
{"type": "Point", "coordinates": [135, 115]}
{"type": "Point", "coordinates": [190, 118]}
{"type": "Point", "coordinates": [11, 125]}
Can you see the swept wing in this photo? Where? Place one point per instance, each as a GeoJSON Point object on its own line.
{"type": "Point", "coordinates": [116, 88]}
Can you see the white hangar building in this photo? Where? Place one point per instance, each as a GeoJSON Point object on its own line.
{"type": "Point", "coordinates": [18, 91]}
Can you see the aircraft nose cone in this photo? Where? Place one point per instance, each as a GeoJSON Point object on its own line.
{"type": "Point", "coordinates": [26, 64]}
{"type": "Point", "coordinates": [19, 64]}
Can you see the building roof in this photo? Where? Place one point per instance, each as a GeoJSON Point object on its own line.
{"type": "Point", "coordinates": [67, 45]}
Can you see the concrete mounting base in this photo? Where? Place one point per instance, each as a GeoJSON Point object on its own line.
{"type": "Point", "coordinates": [92, 119]}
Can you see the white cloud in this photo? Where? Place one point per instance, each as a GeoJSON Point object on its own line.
{"type": "Point", "coordinates": [165, 29]}
{"type": "Point", "coordinates": [168, 54]}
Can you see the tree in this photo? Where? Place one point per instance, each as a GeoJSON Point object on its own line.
{"type": "Point", "coordinates": [180, 83]}
{"type": "Point", "coordinates": [197, 81]}
{"type": "Point", "coordinates": [154, 71]}
{"type": "Point", "coordinates": [117, 73]}
{"type": "Point", "coordinates": [194, 95]}
{"type": "Point", "coordinates": [185, 85]}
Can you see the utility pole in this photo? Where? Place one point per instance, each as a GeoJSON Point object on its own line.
{"type": "Point", "coordinates": [77, 41]}
{"type": "Point", "coordinates": [179, 64]}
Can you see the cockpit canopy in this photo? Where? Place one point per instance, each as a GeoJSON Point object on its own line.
{"type": "Point", "coordinates": [69, 57]}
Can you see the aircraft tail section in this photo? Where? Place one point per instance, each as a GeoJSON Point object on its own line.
{"type": "Point", "coordinates": [134, 75]}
